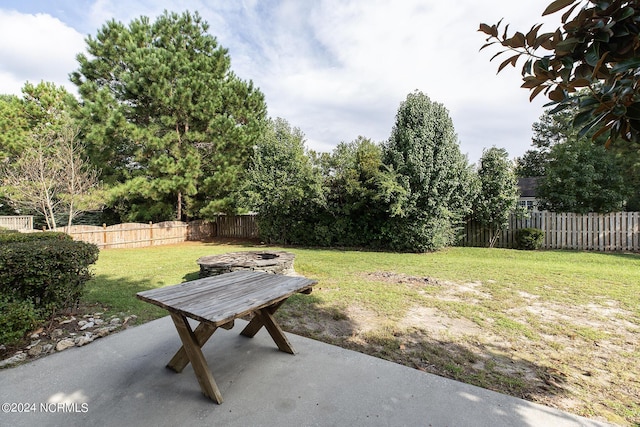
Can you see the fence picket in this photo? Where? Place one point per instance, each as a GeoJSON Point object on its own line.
{"type": "Point", "coordinates": [618, 231]}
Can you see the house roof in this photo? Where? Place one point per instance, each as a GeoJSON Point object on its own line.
{"type": "Point", "coordinates": [528, 186]}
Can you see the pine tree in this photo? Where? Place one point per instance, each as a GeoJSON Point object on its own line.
{"type": "Point", "coordinates": [166, 118]}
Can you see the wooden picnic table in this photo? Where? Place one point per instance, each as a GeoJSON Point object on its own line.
{"type": "Point", "coordinates": [216, 302]}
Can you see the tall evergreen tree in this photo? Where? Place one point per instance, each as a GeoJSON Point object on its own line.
{"type": "Point", "coordinates": [424, 151]}
{"type": "Point", "coordinates": [498, 195]}
{"type": "Point", "coordinates": [165, 117]}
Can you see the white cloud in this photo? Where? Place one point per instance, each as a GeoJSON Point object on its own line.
{"type": "Point", "coordinates": [340, 69]}
{"type": "Point", "coordinates": [34, 48]}
{"type": "Point", "coordinates": [336, 69]}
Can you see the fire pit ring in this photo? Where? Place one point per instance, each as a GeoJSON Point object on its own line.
{"type": "Point", "coordinates": [275, 262]}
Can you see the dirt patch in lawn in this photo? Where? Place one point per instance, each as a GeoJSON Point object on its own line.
{"type": "Point", "coordinates": [578, 358]}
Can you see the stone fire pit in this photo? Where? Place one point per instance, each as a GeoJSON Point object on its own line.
{"type": "Point", "coordinates": [276, 262]}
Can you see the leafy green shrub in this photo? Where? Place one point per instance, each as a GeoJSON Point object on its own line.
{"type": "Point", "coordinates": [49, 273]}
{"type": "Point", "coordinates": [529, 238]}
{"type": "Point", "coordinates": [16, 319]}
{"type": "Point", "coordinates": [12, 236]}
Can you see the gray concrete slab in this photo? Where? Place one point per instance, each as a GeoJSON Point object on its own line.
{"type": "Point", "coordinates": [121, 380]}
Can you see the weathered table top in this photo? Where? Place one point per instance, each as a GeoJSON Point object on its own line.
{"type": "Point", "coordinates": [220, 299]}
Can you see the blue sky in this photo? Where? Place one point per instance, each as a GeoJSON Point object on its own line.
{"type": "Point", "coordinates": [336, 69]}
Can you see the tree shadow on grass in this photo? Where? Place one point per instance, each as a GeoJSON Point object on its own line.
{"type": "Point", "coordinates": [228, 241]}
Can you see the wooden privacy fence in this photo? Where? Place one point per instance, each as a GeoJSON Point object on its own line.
{"type": "Point", "coordinates": [237, 226]}
{"type": "Point", "coordinates": [129, 235]}
{"type": "Point", "coordinates": [226, 226]}
{"type": "Point", "coordinates": [137, 235]}
{"type": "Point", "coordinates": [592, 232]}
{"type": "Point", "coordinates": [17, 222]}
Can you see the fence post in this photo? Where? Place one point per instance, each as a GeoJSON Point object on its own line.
{"type": "Point", "coordinates": [104, 235]}
{"type": "Point", "coordinates": [150, 233]}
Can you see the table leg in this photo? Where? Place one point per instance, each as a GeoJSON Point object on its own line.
{"type": "Point", "coordinates": [264, 317]}
{"type": "Point", "coordinates": [256, 323]}
{"type": "Point", "coordinates": [194, 353]}
{"type": "Point", "coordinates": [203, 332]}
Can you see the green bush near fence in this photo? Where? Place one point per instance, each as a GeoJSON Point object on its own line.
{"type": "Point", "coordinates": [40, 276]}
{"type": "Point", "coordinates": [529, 238]}
{"type": "Point", "coordinates": [12, 236]}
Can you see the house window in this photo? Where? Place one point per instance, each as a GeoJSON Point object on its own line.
{"type": "Point", "coordinates": [529, 204]}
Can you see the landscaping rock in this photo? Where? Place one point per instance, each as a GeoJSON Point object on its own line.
{"type": "Point", "coordinates": [64, 333]}
{"type": "Point", "coordinates": [87, 325]}
{"type": "Point", "coordinates": [19, 357]}
{"type": "Point", "coordinates": [104, 331]}
{"type": "Point", "coordinates": [65, 344]}
{"type": "Point", "coordinates": [84, 339]}
{"type": "Point", "coordinates": [35, 351]}
{"type": "Point", "coordinates": [64, 322]}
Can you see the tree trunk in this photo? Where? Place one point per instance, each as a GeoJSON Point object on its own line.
{"type": "Point", "coordinates": [70, 214]}
{"type": "Point", "coordinates": [179, 206]}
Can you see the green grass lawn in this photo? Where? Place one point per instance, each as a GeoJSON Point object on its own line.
{"type": "Point", "coordinates": [556, 327]}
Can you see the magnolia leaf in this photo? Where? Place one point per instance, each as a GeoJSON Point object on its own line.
{"type": "Point", "coordinates": [567, 45]}
{"type": "Point", "coordinates": [526, 69]}
{"type": "Point", "coordinates": [486, 29]}
{"type": "Point", "coordinates": [582, 118]}
{"type": "Point", "coordinates": [600, 132]}
{"type": "Point", "coordinates": [531, 82]}
{"type": "Point", "coordinates": [532, 35]}
{"type": "Point", "coordinates": [597, 67]}
{"type": "Point", "coordinates": [589, 126]}
{"type": "Point", "coordinates": [627, 12]}
{"type": "Point", "coordinates": [541, 40]}
{"type": "Point", "coordinates": [619, 110]}
{"type": "Point", "coordinates": [536, 92]}
{"type": "Point", "coordinates": [588, 101]}
{"type": "Point", "coordinates": [633, 111]}
{"type": "Point", "coordinates": [518, 40]}
{"type": "Point", "coordinates": [487, 44]}
{"type": "Point", "coordinates": [566, 15]}
{"type": "Point", "coordinates": [635, 125]}
{"type": "Point", "coordinates": [557, 5]}
{"type": "Point", "coordinates": [592, 56]}
{"type": "Point", "coordinates": [626, 65]}
{"type": "Point", "coordinates": [557, 95]}
{"type": "Point", "coordinates": [607, 144]}
{"type": "Point", "coordinates": [548, 44]}
{"type": "Point", "coordinates": [512, 60]}
{"type": "Point", "coordinates": [557, 36]}
{"type": "Point", "coordinates": [497, 54]}
{"type": "Point", "coordinates": [579, 83]}
{"type": "Point", "coordinates": [560, 107]}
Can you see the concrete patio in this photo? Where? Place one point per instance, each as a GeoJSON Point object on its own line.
{"type": "Point", "coordinates": [121, 380]}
